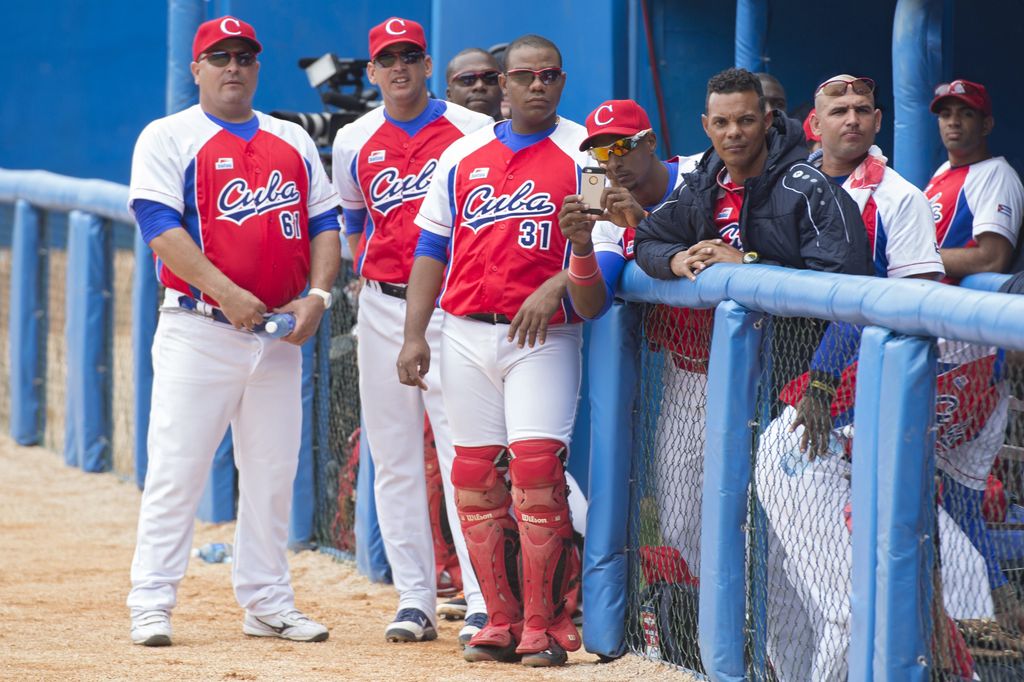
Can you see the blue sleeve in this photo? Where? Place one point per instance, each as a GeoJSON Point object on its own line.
{"type": "Point", "coordinates": [432, 246]}
{"type": "Point", "coordinates": [838, 348]}
{"type": "Point", "coordinates": [611, 265]}
{"type": "Point", "coordinates": [155, 218]}
{"type": "Point", "coordinates": [355, 220]}
{"type": "Point", "coordinates": [325, 222]}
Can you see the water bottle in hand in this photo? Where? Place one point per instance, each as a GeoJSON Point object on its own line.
{"type": "Point", "coordinates": [279, 324]}
{"type": "Point", "coordinates": [214, 553]}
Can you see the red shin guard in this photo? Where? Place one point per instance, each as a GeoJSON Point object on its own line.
{"type": "Point", "coordinates": [551, 568]}
{"type": "Point", "coordinates": [492, 540]}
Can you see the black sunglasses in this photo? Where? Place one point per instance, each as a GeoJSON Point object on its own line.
{"type": "Point", "coordinates": [469, 78]}
{"type": "Point", "coordinates": [526, 76]}
{"type": "Point", "coordinates": [387, 59]}
{"type": "Point", "coordinates": [222, 58]}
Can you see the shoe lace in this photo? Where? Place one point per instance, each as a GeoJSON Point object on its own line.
{"type": "Point", "coordinates": [294, 614]}
{"type": "Point", "coordinates": [414, 615]}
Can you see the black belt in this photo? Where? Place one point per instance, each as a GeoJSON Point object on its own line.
{"type": "Point", "coordinates": [490, 318]}
{"type": "Point", "coordinates": [190, 304]}
{"type": "Point", "coordinates": [394, 290]}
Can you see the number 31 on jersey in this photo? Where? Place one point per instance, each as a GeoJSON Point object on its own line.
{"type": "Point", "coordinates": [535, 234]}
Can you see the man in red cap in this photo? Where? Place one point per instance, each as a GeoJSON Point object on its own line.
{"type": "Point", "coordinates": [241, 217]}
{"type": "Point", "coordinates": [976, 198]}
{"type": "Point", "coordinates": [383, 165]}
{"type": "Point", "coordinates": [620, 139]}
{"type": "Point", "coordinates": [977, 202]}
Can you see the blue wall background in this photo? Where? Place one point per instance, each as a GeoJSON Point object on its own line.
{"type": "Point", "coordinates": [82, 79]}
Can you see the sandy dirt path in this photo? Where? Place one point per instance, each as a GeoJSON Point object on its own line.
{"type": "Point", "coordinates": [66, 541]}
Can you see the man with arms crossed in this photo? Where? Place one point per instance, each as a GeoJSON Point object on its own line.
{"type": "Point", "coordinates": [804, 496]}
{"type": "Point", "coordinates": [383, 164]}
{"type": "Point", "coordinates": [490, 242]}
{"type": "Point", "coordinates": [241, 217]}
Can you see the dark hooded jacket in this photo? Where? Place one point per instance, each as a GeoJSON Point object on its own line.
{"type": "Point", "coordinates": [792, 214]}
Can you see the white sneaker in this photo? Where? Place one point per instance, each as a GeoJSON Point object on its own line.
{"type": "Point", "coordinates": [290, 624]}
{"type": "Point", "coordinates": [152, 628]}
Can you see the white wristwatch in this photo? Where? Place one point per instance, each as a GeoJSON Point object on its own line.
{"type": "Point", "coordinates": [324, 295]}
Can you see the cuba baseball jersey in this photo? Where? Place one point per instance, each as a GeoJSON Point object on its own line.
{"type": "Point", "coordinates": [242, 202]}
{"type": "Point", "coordinates": [970, 200]}
{"type": "Point", "coordinates": [385, 166]}
{"type": "Point", "coordinates": [496, 203]}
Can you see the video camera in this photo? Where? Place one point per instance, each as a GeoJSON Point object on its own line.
{"type": "Point", "coordinates": [331, 77]}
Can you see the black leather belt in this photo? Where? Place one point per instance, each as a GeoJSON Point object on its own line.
{"type": "Point", "coordinates": [393, 290]}
{"type": "Point", "coordinates": [191, 304]}
{"type": "Point", "coordinates": [490, 318]}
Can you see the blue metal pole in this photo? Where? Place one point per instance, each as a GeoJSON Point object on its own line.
{"type": "Point", "coordinates": [751, 34]}
{"type": "Point", "coordinates": [917, 67]}
{"type": "Point", "coordinates": [27, 326]}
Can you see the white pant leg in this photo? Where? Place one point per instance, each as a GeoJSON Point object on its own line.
{"type": "Point", "coordinates": [679, 460]}
{"type": "Point", "coordinates": [393, 415]}
{"type": "Point", "coordinates": [199, 369]}
{"type": "Point", "coordinates": [434, 402]}
{"type": "Point", "coordinates": [542, 385]}
{"type": "Point", "coordinates": [577, 504]}
{"type": "Point", "coordinates": [267, 431]}
{"type": "Point", "coordinates": [804, 502]}
{"type": "Point", "coordinates": [475, 399]}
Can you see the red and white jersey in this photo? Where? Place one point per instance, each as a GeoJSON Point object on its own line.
{"type": "Point", "coordinates": [499, 209]}
{"type": "Point", "coordinates": [897, 217]}
{"type": "Point", "coordinates": [967, 201]}
{"type": "Point", "coordinates": [380, 167]}
{"type": "Point", "coordinates": [609, 237]}
{"type": "Point", "coordinates": [246, 204]}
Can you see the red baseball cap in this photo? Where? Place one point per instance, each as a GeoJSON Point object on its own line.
{"type": "Point", "coordinates": [622, 117]}
{"type": "Point", "coordinates": [973, 95]}
{"type": "Point", "coordinates": [223, 28]}
{"type": "Point", "coordinates": [396, 30]}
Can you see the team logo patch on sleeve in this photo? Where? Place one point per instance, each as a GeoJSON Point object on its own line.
{"type": "Point", "coordinates": [376, 157]}
{"type": "Point", "coordinates": [225, 163]}
{"type": "Point", "coordinates": [1005, 210]}
{"type": "Point", "coordinates": [479, 173]}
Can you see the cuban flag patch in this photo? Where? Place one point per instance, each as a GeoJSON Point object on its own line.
{"type": "Point", "coordinates": [1005, 210]}
{"type": "Point", "coordinates": [377, 156]}
{"type": "Point", "coordinates": [479, 173]}
{"type": "Point", "coordinates": [225, 163]}
{"type": "Point", "coordinates": [724, 214]}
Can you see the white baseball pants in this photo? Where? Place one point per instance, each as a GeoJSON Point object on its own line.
{"type": "Point", "coordinates": [393, 415]}
{"type": "Point", "coordinates": [207, 376]}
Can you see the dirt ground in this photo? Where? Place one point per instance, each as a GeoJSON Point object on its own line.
{"type": "Point", "coordinates": [66, 541]}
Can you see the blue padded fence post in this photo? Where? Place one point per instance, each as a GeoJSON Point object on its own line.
{"type": "Point", "coordinates": [613, 357]}
{"type": "Point", "coordinates": [751, 34]}
{"type": "Point", "coordinates": [144, 318]}
{"type": "Point", "coordinates": [371, 559]}
{"type": "Point", "coordinates": [864, 498]}
{"type": "Point", "coordinates": [917, 67]}
{"type": "Point", "coordinates": [906, 509]}
{"type": "Point", "coordinates": [89, 342]}
{"type": "Point", "coordinates": [300, 528]}
{"type": "Point", "coordinates": [733, 373]}
{"type": "Point", "coordinates": [217, 504]}
{"type": "Point", "coordinates": [27, 326]}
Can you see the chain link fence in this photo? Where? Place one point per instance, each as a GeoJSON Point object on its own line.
{"type": "Point", "coordinates": [6, 228]}
{"type": "Point", "coordinates": [336, 410]}
{"type": "Point", "coordinates": [664, 529]}
{"type": "Point", "coordinates": [55, 229]}
{"type": "Point", "coordinates": [977, 615]}
{"type": "Point", "coordinates": [123, 413]}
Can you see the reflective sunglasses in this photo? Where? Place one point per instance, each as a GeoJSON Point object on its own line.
{"type": "Point", "coordinates": [469, 78]}
{"type": "Point", "coordinates": [222, 58]}
{"type": "Point", "coordinates": [387, 59]}
{"type": "Point", "coordinates": [525, 76]}
{"type": "Point", "coordinates": [837, 87]}
{"type": "Point", "coordinates": [957, 87]}
{"type": "Point", "coordinates": [619, 147]}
